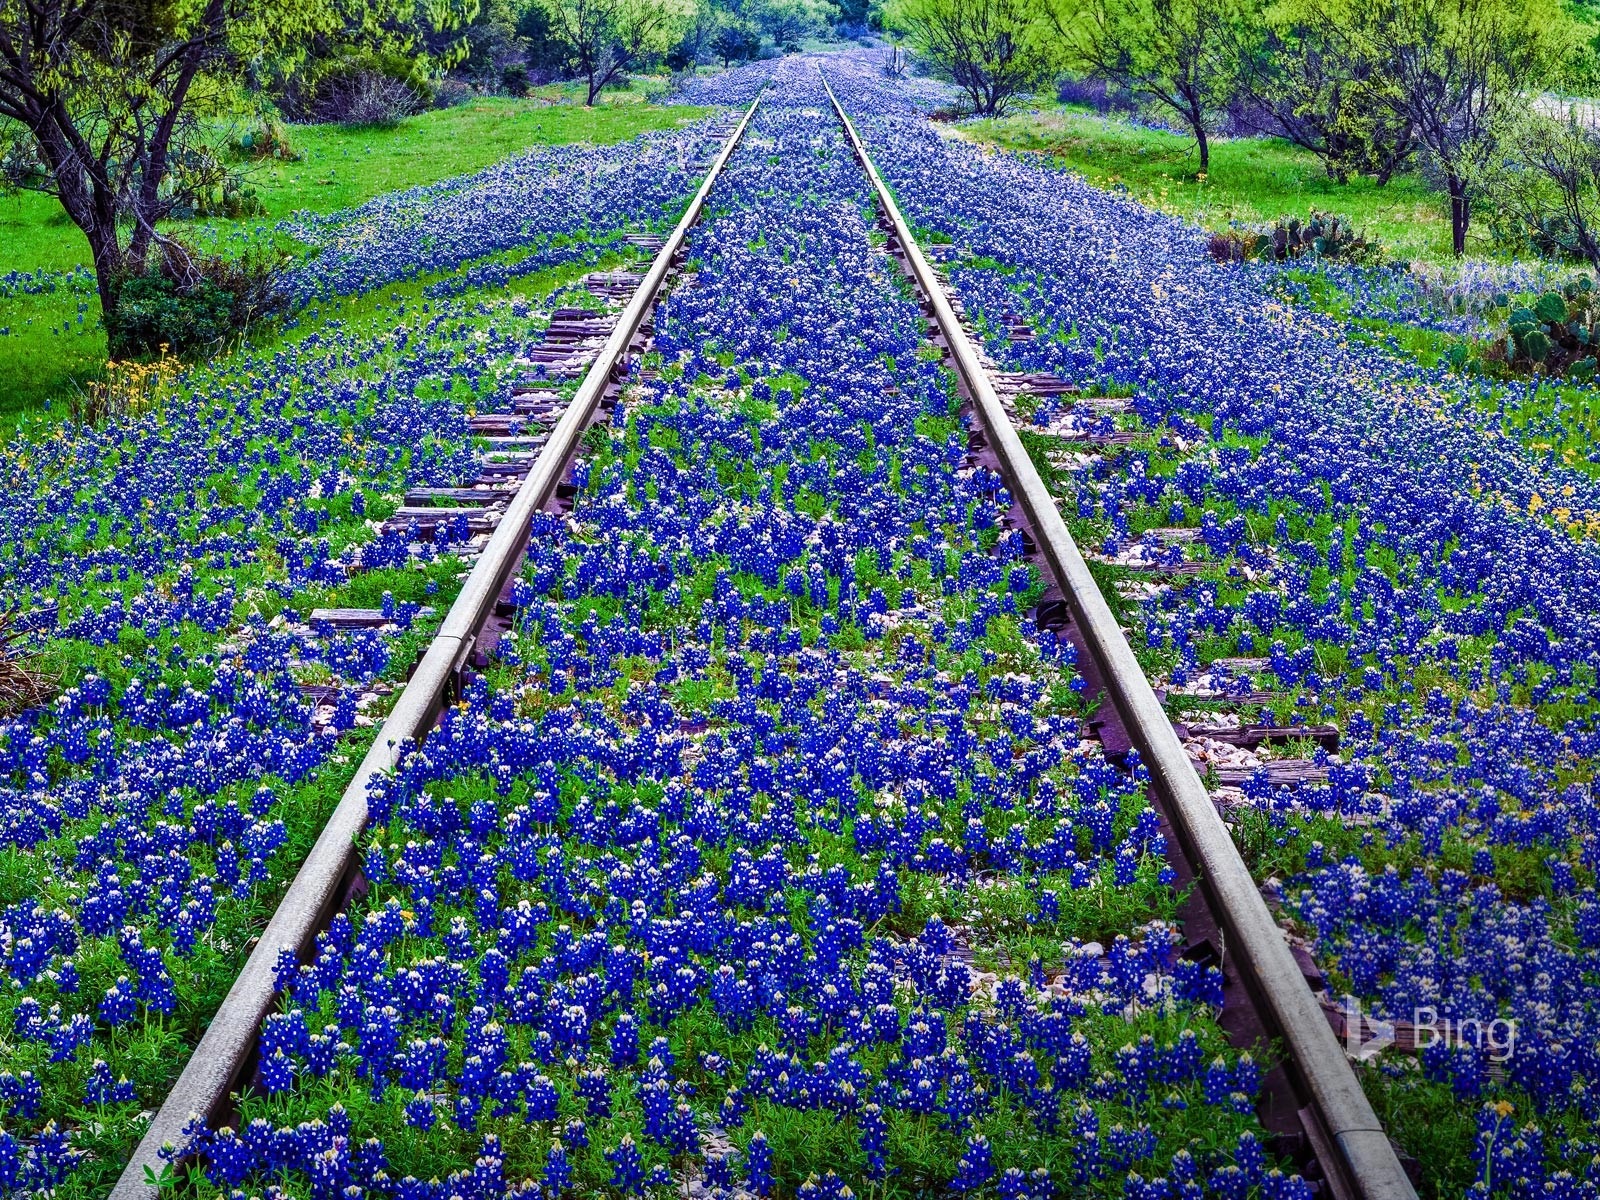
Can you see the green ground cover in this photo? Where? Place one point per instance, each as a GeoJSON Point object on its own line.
{"type": "Point", "coordinates": [53, 343]}
{"type": "Point", "coordinates": [1251, 179]}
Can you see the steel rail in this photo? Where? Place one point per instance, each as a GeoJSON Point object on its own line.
{"type": "Point", "coordinates": [1363, 1155]}
{"type": "Point", "coordinates": [215, 1064]}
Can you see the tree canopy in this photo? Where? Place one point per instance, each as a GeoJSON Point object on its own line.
{"type": "Point", "coordinates": [605, 37]}
{"type": "Point", "coordinates": [108, 93]}
{"type": "Point", "coordinates": [992, 49]}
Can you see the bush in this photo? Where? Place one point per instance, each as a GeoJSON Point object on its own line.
{"type": "Point", "coordinates": [1554, 333]}
{"type": "Point", "coordinates": [1320, 235]}
{"type": "Point", "coordinates": [191, 304]}
{"type": "Point", "coordinates": [514, 78]}
{"type": "Point", "coordinates": [736, 41]}
{"type": "Point", "coordinates": [266, 140]}
{"type": "Point", "coordinates": [453, 93]}
{"type": "Point", "coordinates": [367, 99]}
{"type": "Point", "coordinates": [356, 89]}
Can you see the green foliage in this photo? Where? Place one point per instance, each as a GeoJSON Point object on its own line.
{"type": "Point", "coordinates": [543, 53]}
{"type": "Point", "coordinates": [112, 95]}
{"type": "Point", "coordinates": [604, 38]}
{"type": "Point", "coordinates": [1554, 333]}
{"type": "Point", "coordinates": [1305, 75]}
{"type": "Point", "coordinates": [1179, 55]}
{"type": "Point", "coordinates": [736, 41]}
{"type": "Point", "coordinates": [993, 50]}
{"type": "Point", "coordinates": [1459, 74]}
{"type": "Point", "coordinates": [191, 304]}
{"type": "Point", "coordinates": [1252, 181]}
{"type": "Point", "coordinates": [1320, 235]}
{"type": "Point", "coordinates": [267, 139]}
{"type": "Point", "coordinates": [51, 353]}
{"type": "Point", "coordinates": [1544, 187]}
{"type": "Point", "coordinates": [789, 22]}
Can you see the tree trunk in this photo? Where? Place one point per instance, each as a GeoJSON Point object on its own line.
{"type": "Point", "coordinates": [1205, 146]}
{"type": "Point", "coordinates": [92, 208]}
{"type": "Point", "coordinates": [108, 269]}
{"type": "Point", "coordinates": [594, 90]}
{"type": "Point", "coordinates": [1460, 213]}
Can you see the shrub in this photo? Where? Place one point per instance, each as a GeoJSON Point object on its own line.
{"type": "Point", "coordinates": [1238, 244]}
{"type": "Point", "coordinates": [356, 89]}
{"type": "Point", "coordinates": [22, 684]}
{"type": "Point", "coordinates": [190, 304]}
{"type": "Point", "coordinates": [1554, 333]}
{"type": "Point", "coordinates": [514, 78]}
{"type": "Point", "coordinates": [1320, 235]}
{"type": "Point", "coordinates": [266, 140]}
{"type": "Point", "coordinates": [452, 93]}
{"type": "Point", "coordinates": [200, 184]}
{"type": "Point", "coordinates": [367, 99]}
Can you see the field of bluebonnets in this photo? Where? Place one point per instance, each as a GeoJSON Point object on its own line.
{"type": "Point", "coordinates": [767, 857]}
{"type": "Point", "coordinates": [167, 562]}
{"type": "Point", "coordinates": [1357, 540]}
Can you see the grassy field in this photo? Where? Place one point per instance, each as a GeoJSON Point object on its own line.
{"type": "Point", "coordinates": [52, 343]}
{"type": "Point", "coordinates": [1251, 179]}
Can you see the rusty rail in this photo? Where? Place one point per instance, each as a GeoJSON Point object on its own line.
{"type": "Point", "coordinates": [1344, 1132]}
{"type": "Point", "coordinates": [217, 1063]}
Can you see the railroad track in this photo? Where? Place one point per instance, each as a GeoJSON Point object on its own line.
{"type": "Point", "coordinates": [1314, 1103]}
{"type": "Point", "coordinates": [535, 465]}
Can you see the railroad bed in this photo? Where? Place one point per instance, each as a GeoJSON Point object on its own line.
{"type": "Point", "coordinates": [789, 812]}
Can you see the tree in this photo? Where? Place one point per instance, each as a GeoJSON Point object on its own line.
{"type": "Point", "coordinates": [992, 49]}
{"type": "Point", "coordinates": [789, 22]}
{"type": "Point", "coordinates": [1547, 181]}
{"type": "Point", "coordinates": [702, 25]}
{"type": "Point", "coordinates": [1177, 54]}
{"type": "Point", "coordinates": [545, 55]}
{"type": "Point", "coordinates": [108, 92]}
{"type": "Point", "coordinates": [1459, 73]}
{"type": "Point", "coordinates": [1301, 78]}
{"type": "Point", "coordinates": [735, 41]}
{"type": "Point", "coordinates": [606, 37]}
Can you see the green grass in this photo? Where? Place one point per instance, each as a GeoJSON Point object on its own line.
{"type": "Point", "coordinates": [1251, 179]}
{"type": "Point", "coordinates": [338, 168]}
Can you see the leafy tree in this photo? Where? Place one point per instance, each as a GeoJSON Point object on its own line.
{"type": "Point", "coordinates": [491, 43]}
{"type": "Point", "coordinates": [992, 49]}
{"type": "Point", "coordinates": [109, 92]}
{"type": "Point", "coordinates": [1302, 78]}
{"type": "Point", "coordinates": [704, 22]}
{"type": "Point", "coordinates": [1459, 73]}
{"type": "Point", "coordinates": [1548, 183]}
{"type": "Point", "coordinates": [789, 22]}
{"type": "Point", "coordinates": [735, 41]}
{"type": "Point", "coordinates": [1180, 55]}
{"type": "Point", "coordinates": [603, 38]}
{"type": "Point", "coordinates": [854, 15]}
{"type": "Point", "coordinates": [545, 55]}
